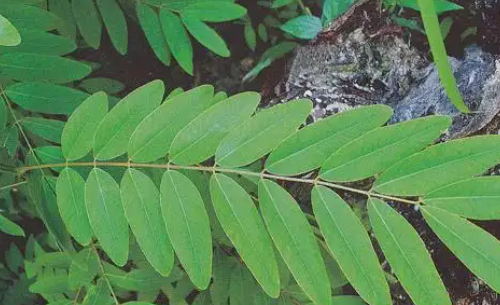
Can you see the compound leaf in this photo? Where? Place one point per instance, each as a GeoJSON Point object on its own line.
{"type": "Point", "coordinates": [116, 25]}
{"type": "Point", "coordinates": [381, 148]}
{"type": "Point", "coordinates": [78, 134]}
{"type": "Point", "coordinates": [141, 202]}
{"type": "Point", "coordinates": [476, 248]}
{"type": "Point", "coordinates": [177, 39]}
{"type": "Point", "coordinates": [114, 132]}
{"type": "Point", "coordinates": [200, 138]}
{"type": "Point", "coordinates": [88, 21]}
{"type": "Point", "coordinates": [312, 145]}
{"type": "Point", "coordinates": [45, 98]}
{"type": "Point", "coordinates": [295, 241]}
{"type": "Point", "coordinates": [211, 11]}
{"type": "Point", "coordinates": [350, 244]}
{"type": "Point", "coordinates": [151, 140]}
{"type": "Point", "coordinates": [406, 253]}
{"type": "Point", "coordinates": [263, 132]}
{"type": "Point", "coordinates": [188, 226]}
{"type": "Point", "coordinates": [206, 35]}
{"type": "Point", "coordinates": [243, 225]}
{"type": "Point", "coordinates": [440, 165]}
{"type": "Point", "coordinates": [150, 24]}
{"type": "Point", "coordinates": [106, 215]}
{"type": "Point", "coordinates": [476, 198]}
{"type": "Point", "coordinates": [70, 190]}
{"type": "Point", "coordinates": [39, 67]}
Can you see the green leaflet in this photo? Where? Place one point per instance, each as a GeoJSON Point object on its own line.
{"type": "Point", "coordinates": [199, 139]}
{"type": "Point", "coordinates": [280, 3]}
{"type": "Point", "coordinates": [43, 43]}
{"type": "Point", "coordinates": [476, 198]}
{"type": "Point", "coordinates": [476, 248]}
{"type": "Point", "coordinates": [67, 26]}
{"type": "Point", "coordinates": [10, 227]}
{"type": "Point", "coordinates": [113, 134]}
{"type": "Point", "coordinates": [70, 190]}
{"type": "Point", "coordinates": [141, 279]}
{"type": "Point", "coordinates": [28, 17]}
{"type": "Point", "coordinates": [333, 9]}
{"type": "Point", "coordinates": [50, 155]}
{"type": "Point", "coordinates": [78, 134]}
{"type": "Point", "coordinates": [9, 138]}
{"type": "Point", "coordinates": [141, 202]}
{"type": "Point", "coordinates": [177, 39]}
{"type": "Point", "coordinates": [188, 226]}
{"type": "Point", "coordinates": [438, 50]}
{"type": "Point", "coordinates": [407, 255]}
{"type": "Point", "coordinates": [206, 35]}
{"type": "Point", "coordinates": [96, 84]}
{"type": "Point", "coordinates": [312, 145]}
{"type": "Point", "coordinates": [242, 286]}
{"type": "Point", "coordinates": [98, 294]}
{"type": "Point", "coordinates": [347, 300]}
{"type": "Point", "coordinates": [263, 132]}
{"type": "Point", "coordinates": [114, 20]}
{"type": "Point", "coordinates": [222, 269]}
{"type": "Point", "coordinates": [106, 215]}
{"type": "Point", "coordinates": [88, 21]}
{"type": "Point", "coordinates": [38, 67]}
{"type": "Point", "coordinates": [138, 303]}
{"type": "Point", "coordinates": [250, 36]}
{"type": "Point", "coordinates": [441, 6]}
{"type": "Point", "coordinates": [214, 11]}
{"type": "Point", "coordinates": [50, 284]}
{"type": "Point", "coordinates": [381, 148]}
{"type": "Point", "coordinates": [440, 165]}
{"type": "Point", "coordinates": [83, 275]}
{"type": "Point", "coordinates": [243, 225]}
{"type": "Point", "coordinates": [50, 130]}
{"type": "Point", "coordinates": [150, 24]}
{"type": "Point", "coordinates": [293, 237]}
{"type": "Point", "coordinates": [9, 36]}
{"type": "Point", "coordinates": [45, 98]}
{"type": "Point", "coordinates": [350, 244]}
{"type": "Point", "coordinates": [303, 27]}
{"type": "Point", "coordinates": [42, 192]}
{"type": "Point", "coordinates": [151, 140]}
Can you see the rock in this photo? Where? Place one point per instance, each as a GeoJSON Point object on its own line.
{"type": "Point", "coordinates": [375, 65]}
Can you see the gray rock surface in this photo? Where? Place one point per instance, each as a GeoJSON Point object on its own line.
{"type": "Point", "coordinates": [359, 69]}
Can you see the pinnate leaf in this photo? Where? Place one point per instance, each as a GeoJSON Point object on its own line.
{"type": "Point", "coordinates": [381, 148]}
{"type": "Point", "coordinates": [188, 226]}
{"type": "Point", "coordinates": [199, 139]}
{"type": "Point", "coordinates": [206, 35]}
{"type": "Point", "coordinates": [312, 145]}
{"type": "Point", "coordinates": [106, 215]}
{"type": "Point", "coordinates": [70, 190]}
{"type": "Point", "coordinates": [114, 132]}
{"type": "Point", "coordinates": [243, 225]}
{"type": "Point", "coordinates": [141, 202]}
{"type": "Point", "coordinates": [78, 133]}
{"type": "Point", "coordinates": [440, 165]}
{"type": "Point", "coordinates": [406, 253]}
{"type": "Point", "coordinates": [476, 198]}
{"type": "Point", "coordinates": [350, 244]}
{"type": "Point", "coordinates": [295, 241]}
{"type": "Point", "coordinates": [151, 140]}
{"type": "Point", "coordinates": [177, 39]}
{"type": "Point", "coordinates": [263, 132]}
{"type": "Point", "coordinates": [476, 248]}
{"type": "Point", "coordinates": [212, 11]}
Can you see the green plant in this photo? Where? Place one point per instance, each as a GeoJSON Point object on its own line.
{"type": "Point", "coordinates": [196, 182]}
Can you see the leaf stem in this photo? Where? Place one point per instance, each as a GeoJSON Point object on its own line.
{"type": "Point", "coordinates": [12, 185]}
{"type": "Point", "coordinates": [104, 276]}
{"type": "Point", "coordinates": [213, 169]}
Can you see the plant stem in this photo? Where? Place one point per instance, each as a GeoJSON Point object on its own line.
{"type": "Point", "coordinates": [22, 170]}
{"type": "Point", "coordinates": [12, 185]}
{"type": "Point", "coordinates": [105, 277]}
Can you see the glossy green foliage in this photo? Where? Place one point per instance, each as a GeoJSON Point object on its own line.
{"type": "Point", "coordinates": [209, 197]}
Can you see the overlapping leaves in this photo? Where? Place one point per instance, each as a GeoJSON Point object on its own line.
{"type": "Point", "coordinates": [169, 213]}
